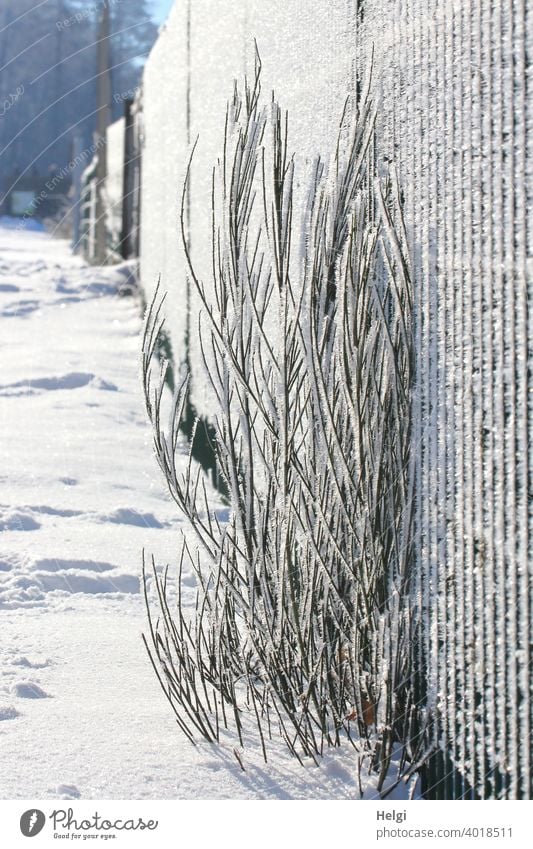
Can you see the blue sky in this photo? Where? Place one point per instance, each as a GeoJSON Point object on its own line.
{"type": "Point", "coordinates": [161, 9]}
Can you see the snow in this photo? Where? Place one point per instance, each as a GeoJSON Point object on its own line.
{"type": "Point", "coordinates": [81, 712]}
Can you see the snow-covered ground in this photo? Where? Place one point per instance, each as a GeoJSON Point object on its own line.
{"type": "Point", "coordinates": [81, 712]}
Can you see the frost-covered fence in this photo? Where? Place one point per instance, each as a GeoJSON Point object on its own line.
{"type": "Point", "coordinates": [454, 114]}
{"type": "Point", "coordinates": [121, 193]}
{"type": "Point", "coordinates": [87, 213]}
{"type": "Point", "coordinates": [449, 81]}
{"type": "Point", "coordinates": [112, 197]}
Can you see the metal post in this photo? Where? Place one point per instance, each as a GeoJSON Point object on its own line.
{"type": "Point", "coordinates": [128, 185]}
{"type": "Point", "coordinates": [102, 122]}
{"type": "Point", "coordinates": [76, 195]}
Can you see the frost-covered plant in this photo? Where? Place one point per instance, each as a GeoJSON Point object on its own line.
{"type": "Point", "coordinates": [302, 615]}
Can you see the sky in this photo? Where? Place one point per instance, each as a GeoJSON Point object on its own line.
{"type": "Point", "coordinates": [161, 9]}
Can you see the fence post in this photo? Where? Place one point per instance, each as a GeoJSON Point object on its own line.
{"type": "Point", "coordinates": [102, 122]}
{"type": "Point", "coordinates": [127, 248]}
{"type": "Point", "coordinates": [76, 198]}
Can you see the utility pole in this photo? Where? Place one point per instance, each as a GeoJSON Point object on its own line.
{"type": "Point", "coordinates": [102, 122]}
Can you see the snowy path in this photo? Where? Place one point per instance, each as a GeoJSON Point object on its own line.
{"type": "Point", "coordinates": [81, 714]}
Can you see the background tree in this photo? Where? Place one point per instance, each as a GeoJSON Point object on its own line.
{"type": "Point", "coordinates": [49, 53]}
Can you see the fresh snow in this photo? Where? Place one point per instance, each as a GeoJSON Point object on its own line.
{"type": "Point", "coordinates": [81, 712]}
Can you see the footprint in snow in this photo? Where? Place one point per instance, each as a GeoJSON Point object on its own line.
{"type": "Point", "coordinates": [20, 308]}
{"type": "Point", "coordinates": [8, 713]}
{"type": "Point", "coordinates": [44, 510]}
{"type": "Point", "coordinates": [65, 791]}
{"type": "Point", "coordinates": [128, 516]}
{"type": "Point", "coordinates": [90, 584]}
{"type": "Point", "coordinates": [56, 565]}
{"type": "Point", "coordinates": [30, 589]}
{"type": "Point", "coordinates": [28, 690]}
{"type": "Point", "coordinates": [17, 520]}
{"type": "Point", "coordinates": [10, 561]}
{"type": "Point", "coordinates": [71, 380]}
{"type": "Point", "coordinates": [31, 664]}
